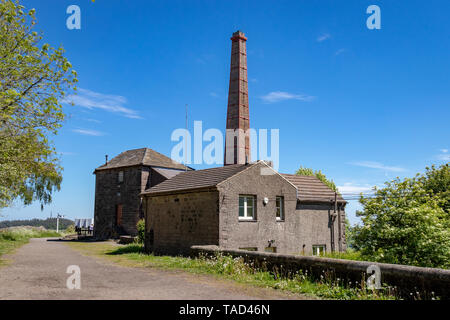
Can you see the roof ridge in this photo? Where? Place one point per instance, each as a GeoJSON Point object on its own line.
{"type": "Point", "coordinates": [145, 154]}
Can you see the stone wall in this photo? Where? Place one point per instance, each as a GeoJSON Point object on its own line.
{"type": "Point", "coordinates": [176, 222]}
{"type": "Point", "coordinates": [304, 225]}
{"type": "Point", "coordinates": [407, 279]}
{"type": "Point", "coordinates": [109, 193]}
{"type": "Point", "coordinates": [317, 227]}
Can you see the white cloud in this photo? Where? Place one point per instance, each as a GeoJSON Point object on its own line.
{"type": "Point", "coordinates": [340, 51]}
{"type": "Point", "coordinates": [377, 165]}
{"type": "Point", "coordinates": [94, 100]}
{"type": "Point", "coordinates": [277, 96]}
{"type": "Point", "coordinates": [323, 37]}
{"type": "Point", "coordinates": [93, 120]}
{"type": "Point", "coordinates": [88, 132]}
{"type": "Point", "coordinates": [444, 157]}
{"type": "Point", "coordinates": [351, 188]}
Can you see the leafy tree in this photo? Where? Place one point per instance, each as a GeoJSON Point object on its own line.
{"type": "Point", "coordinates": [318, 174]}
{"type": "Point", "coordinates": [406, 221]}
{"type": "Point", "coordinates": [34, 78]}
{"type": "Point", "coordinates": [436, 182]}
{"type": "Point", "coordinates": [349, 234]}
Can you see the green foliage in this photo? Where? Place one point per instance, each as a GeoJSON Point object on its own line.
{"type": "Point", "coordinates": [318, 174]}
{"type": "Point", "coordinates": [70, 229]}
{"type": "Point", "coordinates": [406, 222]}
{"type": "Point", "coordinates": [141, 230]}
{"type": "Point", "coordinates": [350, 254]}
{"type": "Point", "coordinates": [34, 79]}
{"type": "Point", "coordinates": [436, 182]}
{"type": "Point", "coordinates": [47, 223]}
{"type": "Point", "coordinates": [349, 234]}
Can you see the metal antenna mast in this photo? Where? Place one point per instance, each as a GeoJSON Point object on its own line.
{"type": "Point", "coordinates": [185, 140]}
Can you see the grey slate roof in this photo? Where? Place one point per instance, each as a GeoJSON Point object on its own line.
{"type": "Point", "coordinates": [197, 179]}
{"type": "Point", "coordinates": [168, 173]}
{"type": "Point", "coordinates": [143, 156]}
{"type": "Point", "coordinates": [311, 189]}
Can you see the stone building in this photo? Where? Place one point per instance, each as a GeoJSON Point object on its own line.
{"type": "Point", "coordinates": [238, 207]}
{"type": "Point", "coordinates": [242, 205]}
{"type": "Point", "coordinates": [118, 184]}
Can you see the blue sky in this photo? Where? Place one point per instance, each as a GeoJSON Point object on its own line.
{"type": "Point", "coordinates": [364, 106]}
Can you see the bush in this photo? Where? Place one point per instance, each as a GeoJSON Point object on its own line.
{"type": "Point", "coordinates": [406, 222]}
{"type": "Point", "coordinates": [141, 230]}
{"type": "Point", "coordinates": [70, 229]}
{"type": "Point", "coordinates": [23, 233]}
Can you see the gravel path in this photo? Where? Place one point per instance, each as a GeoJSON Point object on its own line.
{"type": "Point", "coordinates": [38, 271]}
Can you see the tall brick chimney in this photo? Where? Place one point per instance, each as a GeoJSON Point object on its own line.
{"type": "Point", "coordinates": [237, 142]}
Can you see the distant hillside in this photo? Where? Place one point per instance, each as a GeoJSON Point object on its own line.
{"type": "Point", "coordinates": [49, 224]}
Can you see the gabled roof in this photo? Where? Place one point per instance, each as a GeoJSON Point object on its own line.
{"type": "Point", "coordinates": [197, 179]}
{"type": "Point", "coordinates": [311, 189]}
{"type": "Point", "coordinates": [168, 173]}
{"type": "Point", "coordinates": [143, 156]}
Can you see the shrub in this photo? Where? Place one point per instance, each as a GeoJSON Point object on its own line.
{"type": "Point", "coordinates": [70, 229]}
{"type": "Point", "coordinates": [141, 230]}
{"type": "Point", "coordinates": [406, 222]}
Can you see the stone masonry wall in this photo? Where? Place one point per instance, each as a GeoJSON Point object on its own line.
{"type": "Point", "coordinates": [317, 228]}
{"type": "Point", "coordinates": [176, 222]}
{"type": "Point", "coordinates": [303, 226]}
{"type": "Point", "coordinates": [109, 193]}
{"type": "Point", "coordinates": [429, 282]}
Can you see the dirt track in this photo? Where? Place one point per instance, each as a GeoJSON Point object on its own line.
{"type": "Point", "coordinates": [38, 271]}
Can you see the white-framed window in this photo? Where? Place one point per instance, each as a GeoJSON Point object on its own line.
{"type": "Point", "coordinates": [280, 208]}
{"type": "Point", "coordinates": [319, 250]}
{"type": "Point", "coordinates": [120, 177]}
{"type": "Point", "coordinates": [247, 207]}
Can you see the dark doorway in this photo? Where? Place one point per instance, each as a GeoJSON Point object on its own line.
{"type": "Point", "coordinates": [119, 215]}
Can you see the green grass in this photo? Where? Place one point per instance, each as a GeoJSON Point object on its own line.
{"type": "Point", "coordinates": [226, 267]}
{"type": "Point", "coordinates": [13, 238]}
{"type": "Point", "coordinates": [348, 255]}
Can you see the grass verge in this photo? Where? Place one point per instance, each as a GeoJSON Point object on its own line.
{"type": "Point", "coordinates": [15, 237]}
{"type": "Point", "coordinates": [225, 267]}
{"type": "Point", "coordinates": [348, 255]}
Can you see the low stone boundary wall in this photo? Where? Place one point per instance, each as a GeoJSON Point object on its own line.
{"type": "Point", "coordinates": [126, 239]}
{"type": "Point", "coordinates": [407, 279]}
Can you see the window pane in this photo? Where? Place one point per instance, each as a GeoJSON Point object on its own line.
{"type": "Point", "coordinates": [241, 201]}
{"type": "Point", "coordinates": [249, 212]}
{"type": "Point", "coordinates": [249, 201]}
{"type": "Point", "coordinates": [241, 211]}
